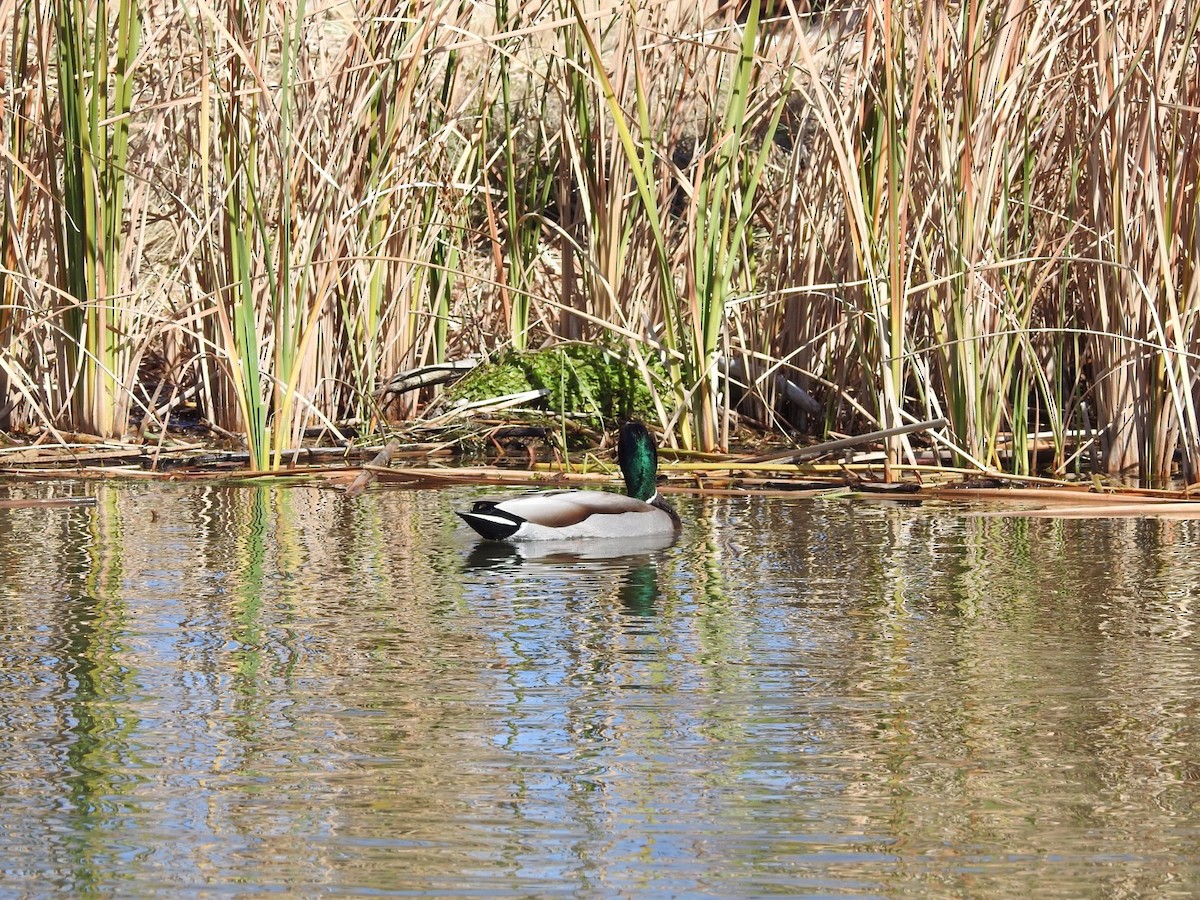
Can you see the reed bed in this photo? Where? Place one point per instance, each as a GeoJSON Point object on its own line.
{"type": "Point", "coordinates": [824, 216]}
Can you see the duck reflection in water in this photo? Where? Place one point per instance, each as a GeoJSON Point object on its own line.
{"type": "Point", "coordinates": [629, 566]}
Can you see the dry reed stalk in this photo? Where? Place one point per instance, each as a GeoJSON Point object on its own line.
{"type": "Point", "coordinates": [49, 503]}
{"type": "Point", "coordinates": [1176, 511]}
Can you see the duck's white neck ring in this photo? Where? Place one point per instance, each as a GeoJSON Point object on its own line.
{"type": "Point", "coordinates": [652, 497]}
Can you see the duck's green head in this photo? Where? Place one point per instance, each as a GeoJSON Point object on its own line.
{"type": "Point", "coordinates": [638, 459]}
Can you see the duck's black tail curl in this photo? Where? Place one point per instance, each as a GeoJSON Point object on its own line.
{"type": "Point", "coordinates": [490, 521]}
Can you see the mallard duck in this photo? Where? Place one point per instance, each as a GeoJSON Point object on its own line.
{"type": "Point", "coordinates": [571, 515]}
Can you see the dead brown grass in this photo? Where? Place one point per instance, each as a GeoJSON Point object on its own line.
{"type": "Point", "coordinates": [983, 210]}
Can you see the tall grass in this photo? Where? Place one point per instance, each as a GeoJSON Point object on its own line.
{"type": "Point", "coordinates": [95, 92]}
{"type": "Point", "coordinates": [978, 255]}
{"type": "Point", "coordinates": [894, 211]}
{"type": "Point", "coordinates": [1141, 110]}
{"type": "Point", "coordinates": [724, 200]}
{"type": "Point", "coordinates": [312, 283]}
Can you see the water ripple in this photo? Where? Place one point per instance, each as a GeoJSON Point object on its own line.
{"type": "Point", "coordinates": [264, 689]}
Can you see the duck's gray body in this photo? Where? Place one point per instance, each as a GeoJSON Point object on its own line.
{"type": "Point", "coordinates": [576, 515]}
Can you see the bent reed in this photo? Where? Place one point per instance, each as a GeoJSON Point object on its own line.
{"type": "Point", "coordinates": [826, 215]}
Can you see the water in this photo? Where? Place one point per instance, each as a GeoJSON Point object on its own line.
{"type": "Point", "coordinates": [242, 690]}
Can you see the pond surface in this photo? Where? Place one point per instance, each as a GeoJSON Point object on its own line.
{"type": "Point", "coordinates": [247, 690]}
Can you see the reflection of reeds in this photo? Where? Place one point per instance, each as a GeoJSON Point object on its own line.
{"type": "Point", "coordinates": [985, 211]}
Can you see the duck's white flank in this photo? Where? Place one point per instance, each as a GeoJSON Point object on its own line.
{"type": "Point", "coordinates": [569, 515]}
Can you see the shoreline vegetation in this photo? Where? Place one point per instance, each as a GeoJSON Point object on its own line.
{"type": "Point", "coordinates": [276, 227]}
{"type": "Point", "coordinates": [815, 471]}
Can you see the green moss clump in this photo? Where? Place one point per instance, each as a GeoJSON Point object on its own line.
{"type": "Point", "coordinates": [592, 383]}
